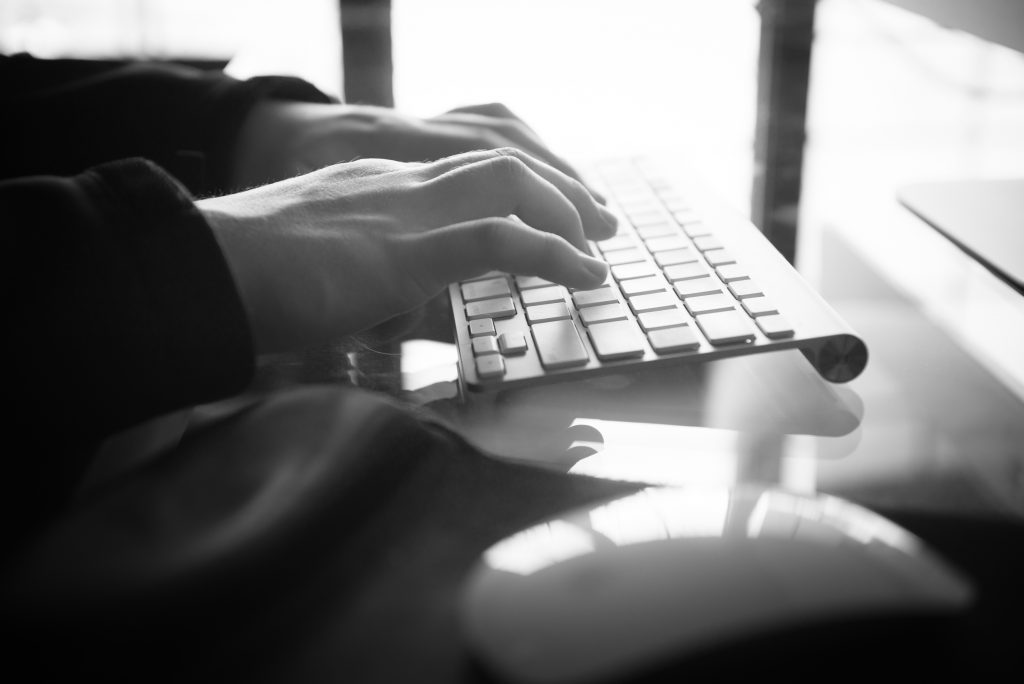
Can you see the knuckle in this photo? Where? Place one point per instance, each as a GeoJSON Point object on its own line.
{"type": "Point", "coordinates": [510, 152]}
{"type": "Point", "coordinates": [555, 246]}
{"type": "Point", "coordinates": [508, 163]}
{"type": "Point", "coordinates": [493, 231]}
{"type": "Point", "coordinates": [374, 167]}
{"type": "Point", "coordinates": [577, 189]}
{"type": "Point", "coordinates": [497, 109]}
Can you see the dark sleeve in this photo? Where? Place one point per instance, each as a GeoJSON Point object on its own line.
{"type": "Point", "coordinates": [60, 117]}
{"type": "Point", "coordinates": [121, 307]}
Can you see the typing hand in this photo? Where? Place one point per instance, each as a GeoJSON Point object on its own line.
{"type": "Point", "coordinates": [282, 139]}
{"type": "Point", "coordinates": [346, 247]}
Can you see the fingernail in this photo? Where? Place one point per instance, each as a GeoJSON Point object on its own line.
{"type": "Point", "coordinates": [598, 196]}
{"type": "Point", "coordinates": [596, 268]}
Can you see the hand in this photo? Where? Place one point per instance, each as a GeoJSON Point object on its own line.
{"type": "Point", "coordinates": [282, 139]}
{"type": "Point", "coordinates": [341, 249]}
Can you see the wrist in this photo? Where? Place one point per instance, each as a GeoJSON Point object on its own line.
{"type": "Point", "coordinates": [229, 230]}
{"type": "Point", "coordinates": [280, 139]}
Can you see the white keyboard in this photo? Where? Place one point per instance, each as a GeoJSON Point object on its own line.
{"type": "Point", "coordinates": [689, 281]}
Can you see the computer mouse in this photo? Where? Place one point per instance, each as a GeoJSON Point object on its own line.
{"type": "Point", "coordinates": [725, 580]}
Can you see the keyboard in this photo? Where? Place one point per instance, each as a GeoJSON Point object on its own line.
{"type": "Point", "coordinates": [690, 281]}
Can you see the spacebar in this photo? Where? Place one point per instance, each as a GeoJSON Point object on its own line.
{"type": "Point", "coordinates": [559, 344]}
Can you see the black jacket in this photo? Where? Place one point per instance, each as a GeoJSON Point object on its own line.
{"type": "Point", "coordinates": [120, 305]}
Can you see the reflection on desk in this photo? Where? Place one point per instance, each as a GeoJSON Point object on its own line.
{"type": "Point", "coordinates": [751, 418]}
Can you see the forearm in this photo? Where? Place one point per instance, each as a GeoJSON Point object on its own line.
{"type": "Point", "coordinates": [63, 116]}
{"type": "Point", "coordinates": [122, 304]}
{"type": "Point", "coordinates": [120, 307]}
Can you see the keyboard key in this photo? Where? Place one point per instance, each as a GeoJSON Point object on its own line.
{"type": "Point", "coordinates": [481, 326]}
{"type": "Point", "coordinates": [695, 287]}
{"type": "Point", "coordinates": [490, 366]}
{"type": "Point", "coordinates": [759, 306]}
{"type": "Point", "coordinates": [625, 256]}
{"type": "Point", "coordinates": [741, 289]}
{"type": "Point", "coordinates": [654, 230]}
{"type": "Point", "coordinates": [730, 272]}
{"type": "Point", "coordinates": [547, 312]}
{"type": "Point", "coordinates": [668, 318]}
{"type": "Point", "coordinates": [675, 202]}
{"type": "Point", "coordinates": [485, 289]}
{"type": "Point", "coordinates": [530, 282]}
{"type": "Point", "coordinates": [603, 313]}
{"type": "Point", "coordinates": [685, 271]}
{"type": "Point", "coordinates": [685, 216]}
{"type": "Point", "coordinates": [502, 307]}
{"type": "Point", "coordinates": [774, 326]}
{"type": "Point", "coordinates": [543, 295]}
{"type": "Point", "coordinates": [675, 256]}
{"type": "Point", "coordinates": [512, 343]}
{"type": "Point", "coordinates": [633, 193]}
{"type": "Point", "coordinates": [717, 257]}
{"type": "Point", "coordinates": [638, 204]}
{"type": "Point", "coordinates": [559, 344]}
{"type": "Point", "coordinates": [676, 339]}
{"type": "Point", "coordinates": [665, 243]}
{"type": "Point", "coordinates": [726, 327]}
{"type": "Point", "coordinates": [629, 188]}
{"type": "Point", "coordinates": [616, 242]}
{"type": "Point", "coordinates": [639, 286]}
{"type": "Point", "coordinates": [653, 302]}
{"type": "Point", "coordinates": [485, 345]}
{"type": "Point", "coordinates": [709, 303]}
{"type": "Point", "coordinates": [706, 242]}
{"type": "Point", "coordinates": [648, 217]}
{"type": "Point", "coordinates": [602, 295]}
{"type": "Point", "coordinates": [696, 229]}
{"type": "Point", "coordinates": [618, 340]}
{"type": "Point", "coordinates": [627, 271]}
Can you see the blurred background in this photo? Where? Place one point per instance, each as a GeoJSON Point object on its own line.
{"type": "Point", "coordinates": [897, 93]}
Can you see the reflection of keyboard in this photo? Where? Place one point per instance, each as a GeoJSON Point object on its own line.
{"type": "Point", "coordinates": [690, 281]}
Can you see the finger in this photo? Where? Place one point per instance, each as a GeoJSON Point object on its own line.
{"type": "Point", "coordinates": [502, 169]}
{"type": "Point", "coordinates": [471, 248]}
{"type": "Point", "coordinates": [509, 128]}
{"type": "Point", "coordinates": [502, 186]}
{"type": "Point", "coordinates": [487, 109]}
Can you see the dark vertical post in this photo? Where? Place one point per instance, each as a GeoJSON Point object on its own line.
{"type": "Point", "coordinates": [787, 32]}
{"type": "Point", "coordinates": [366, 52]}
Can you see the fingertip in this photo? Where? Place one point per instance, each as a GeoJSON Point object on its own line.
{"type": "Point", "coordinates": [607, 226]}
{"type": "Point", "coordinates": [609, 217]}
{"type": "Point", "coordinates": [592, 272]}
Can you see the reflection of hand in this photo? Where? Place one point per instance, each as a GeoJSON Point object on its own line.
{"type": "Point", "coordinates": [343, 248]}
{"type": "Point", "coordinates": [282, 139]}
